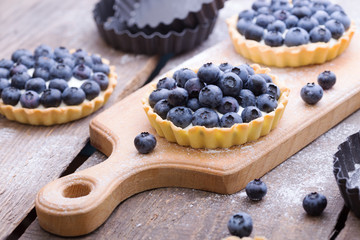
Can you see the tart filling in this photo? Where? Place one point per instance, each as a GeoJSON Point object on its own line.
{"type": "Point", "coordinates": [210, 125]}
{"type": "Point", "coordinates": [291, 35]}
{"type": "Point", "coordinates": [53, 86]}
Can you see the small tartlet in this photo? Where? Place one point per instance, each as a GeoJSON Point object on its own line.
{"type": "Point", "coordinates": [58, 115]}
{"type": "Point", "coordinates": [202, 137]}
{"type": "Point", "coordinates": [283, 56]}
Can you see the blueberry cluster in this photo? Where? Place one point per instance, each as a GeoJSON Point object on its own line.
{"type": "Point", "coordinates": [43, 77]}
{"type": "Point", "coordinates": [215, 96]}
{"type": "Point", "coordinates": [280, 22]}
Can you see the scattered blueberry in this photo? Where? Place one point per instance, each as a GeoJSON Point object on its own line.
{"type": "Point", "coordinates": [91, 89]}
{"type": "Point", "coordinates": [193, 104]}
{"type": "Point", "coordinates": [311, 93]}
{"type": "Point", "coordinates": [10, 96]}
{"type": "Point", "coordinates": [19, 53]}
{"type": "Point", "coordinates": [296, 36]}
{"type": "Point", "coordinates": [246, 98]}
{"type": "Point", "coordinates": [162, 107]}
{"type": "Point", "coordinates": [6, 63]}
{"type": "Point", "coordinates": [193, 87]}
{"type": "Point", "coordinates": [326, 79]}
{"type": "Point", "coordinates": [82, 72]}
{"type": "Point", "coordinates": [30, 99]}
{"type": "Point", "coordinates": [256, 84]}
{"type": "Point", "coordinates": [158, 95]}
{"type": "Point", "coordinates": [182, 75]}
{"type": "Point", "coordinates": [43, 51]}
{"type": "Point", "coordinates": [240, 225]}
{"type": "Point", "coordinates": [314, 203]}
{"type": "Point", "coordinates": [228, 104]}
{"type": "Point", "coordinates": [145, 142]}
{"type": "Point", "coordinates": [254, 32]}
{"type": "Point", "coordinates": [266, 103]}
{"type": "Point", "coordinates": [178, 97]}
{"type": "Point", "coordinates": [250, 113]}
{"type": "Point", "coordinates": [73, 96]}
{"type": "Point", "coordinates": [209, 73]}
{"type": "Point", "coordinates": [51, 98]}
{"type": "Point", "coordinates": [101, 79]}
{"type": "Point", "coordinates": [59, 84]}
{"type": "Point", "coordinates": [210, 96]}
{"type": "Point", "coordinates": [4, 83]}
{"type": "Point", "coordinates": [205, 117]}
{"type": "Point", "coordinates": [336, 28]}
{"type": "Point", "coordinates": [273, 39]}
{"type": "Point", "coordinates": [180, 116]}
{"type": "Point", "coordinates": [256, 190]}
{"type": "Point", "coordinates": [35, 84]}
{"type": "Point", "coordinates": [19, 80]}
{"type": "Point", "coordinates": [61, 71]}
{"type": "Point", "coordinates": [230, 84]}
{"type": "Point", "coordinates": [229, 119]}
{"type": "Point", "coordinates": [168, 83]}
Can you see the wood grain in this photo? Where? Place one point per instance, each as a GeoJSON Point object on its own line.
{"type": "Point", "coordinates": [30, 156]}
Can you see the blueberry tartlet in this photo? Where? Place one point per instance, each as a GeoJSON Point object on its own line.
{"type": "Point", "coordinates": [53, 86]}
{"type": "Point", "coordinates": [216, 106]}
{"type": "Point", "coordinates": [294, 33]}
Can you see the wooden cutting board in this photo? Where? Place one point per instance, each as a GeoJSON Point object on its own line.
{"type": "Point", "coordinates": [79, 203]}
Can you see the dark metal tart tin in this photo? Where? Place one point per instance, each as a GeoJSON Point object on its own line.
{"type": "Point", "coordinates": [347, 171]}
{"type": "Point", "coordinates": [117, 35]}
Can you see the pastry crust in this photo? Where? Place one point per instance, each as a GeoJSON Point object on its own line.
{"type": "Point", "coordinates": [283, 56]}
{"type": "Point", "coordinates": [202, 137]}
{"type": "Point", "coordinates": [58, 115]}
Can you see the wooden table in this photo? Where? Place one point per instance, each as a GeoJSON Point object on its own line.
{"type": "Point", "coordinates": [30, 157]}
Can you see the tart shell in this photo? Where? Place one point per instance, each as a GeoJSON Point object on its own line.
{"type": "Point", "coordinates": [59, 115]}
{"type": "Point", "coordinates": [312, 53]}
{"type": "Point", "coordinates": [202, 137]}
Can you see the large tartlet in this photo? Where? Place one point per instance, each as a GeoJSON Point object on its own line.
{"type": "Point", "coordinates": [202, 137]}
{"type": "Point", "coordinates": [284, 56]}
{"type": "Point", "coordinates": [63, 113]}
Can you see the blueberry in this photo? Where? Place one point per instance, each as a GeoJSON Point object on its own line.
{"type": "Point", "coordinates": [45, 63]}
{"type": "Point", "coordinates": [225, 67]}
{"type": "Point", "coordinates": [162, 107]}
{"type": "Point", "coordinates": [205, 117]}
{"type": "Point", "coordinates": [266, 77]}
{"type": "Point", "coordinates": [168, 83]}
{"type": "Point", "coordinates": [333, 8]}
{"type": "Point", "coordinates": [250, 113]}
{"type": "Point", "coordinates": [246, 98]}
{"type": "Point", "coordinates": [342, 17]}
{"type": "Point", "coordinates": [178, 97]}
{"type": "Point", "coordinates": [321, 16]}
{"type": "Point", "coordinates": [263, 20]}
{"type": "Point", "coordinates": [60, 71]}
{"type": "Point", "coordinates": [242, 72]}
{"type": "Point", "coordinates": [193, 104]}
{"type": "Point", "coordinates": [17, 68]}
{"type": "Point", "coordinates": [85, 61]}
{"type": "Point", "coordinates": [249, 69]}
{"type": "Point", "coordinates": [145, 142]}
{"type": "Point", "coordinates": [266, 103]}
{"type": "Point", "coordinates": [320, 34]}
{"type": "Point", "coordinates": [80, 53]}
{"type": "Point", "coordinates": [314, 203]}
{"type": "Point", "coordinates": [10, 96]}
{"type": "Point", "coordinates": [256, 84]}
{"type": "Point", "coordinates": [182, 75]}
{"type": "Point", "coordinates": [210, 96]}
{"type": "Point", "coordinates": [230, 84]}
{"type": "Point", "coordinates": [36, 84]}
{"type": "Point", "coordinates": [281, 15]}
{"type": "Point", "coordinates": [228, 104]}
{"type": "Point", "coordinates": [30, 99]}
{"type": "Point", "coordinates": [4, 83]}
{"type": "Point", "coordinates": [18, 53]}
{"type": "Point", "coordinates": [61, 52]}
{"type": "Point", "coordinates": [291, 21]}
{"type": "Point", "coordinates": [301, 12]}
{"type": "Point", "coordinates": [247, 14]}
{"type": "Point", "coordinates": [336, 28]}
{"type": "Point", "coordinates": [43, 51]}
{"type": "Point", "coordinates": [82, 72]}
{"type": "Point", "coordinates": [308, 23]}
{"type": "Point", "coordinates": [273, 39]}
{"type": "Point", "coordinates": [6, 63]}
{"type": "Point", "coordinates": [326, 79]}
{"type": "Point", "coordinates": [28, 61]}
{"type": "Point", "coordinates": [19, 80]}
{"type": "Point", "coordinates": [296, 36]}
{"type": "Point", "coordinates": [323, 2]}
{"type": "Point", "coordinates": [193, 87]}
{"type": "Point", "coordinates": [91, 89]}
{"type": "Point", "coordinates": [242, 25]}
{"type": "Point", "coordinates": [277, 26]}
{"type": "Point", "coordinates": [158, 95]}
{"type": "Point", "coordinates": [229, 119]}
{"type": "Point", "coordinates": [280, 5]}
{"type": "Point", "coordinates": [73, 96]}
{"type": "Point", "coordinates": [67, 61]}
{"type": "Point", "coordinates": [264, 10]}
{"type": "Point", "coordinates": [59, 84]}
{"type": "Point", "coordinates": [41, 73]}
{"type": "Point", "coordinates": [209, 73]}
{"type": "Point", "coordinates": [180, 116]}
{"type": "Point", "coordinates": [51, 98]}
{"type": "Point", "coordinates": [104, 68]}
{"type": "Point", "coordinates": [101, 79]}
{"type": "Point", "coordinates": [259, 4]}
{"type": "Point", "coordinates": [256, 190]}
{"type": "Point", "coordinates": [254, 32]}
{"type": "Point", "coordinates": [96, 59]}
{"type": "Point", "coordinates": [311, 93]}
{"type": "Point", "coordinates": [317, 7]}
{"type": "Point", "coordinates": [301, 3]}
{"type": "Point", "coordinates": [240, 225]}
{"type": "Point", "coordinates": [4, 73]}
{"type": "Point", "coordinates": [273, 90]}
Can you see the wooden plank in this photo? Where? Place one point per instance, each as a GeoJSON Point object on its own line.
{"type": "Point", "coordinates": [32, 156]}
{"type": "Point", "coordinates": [351, 229]}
